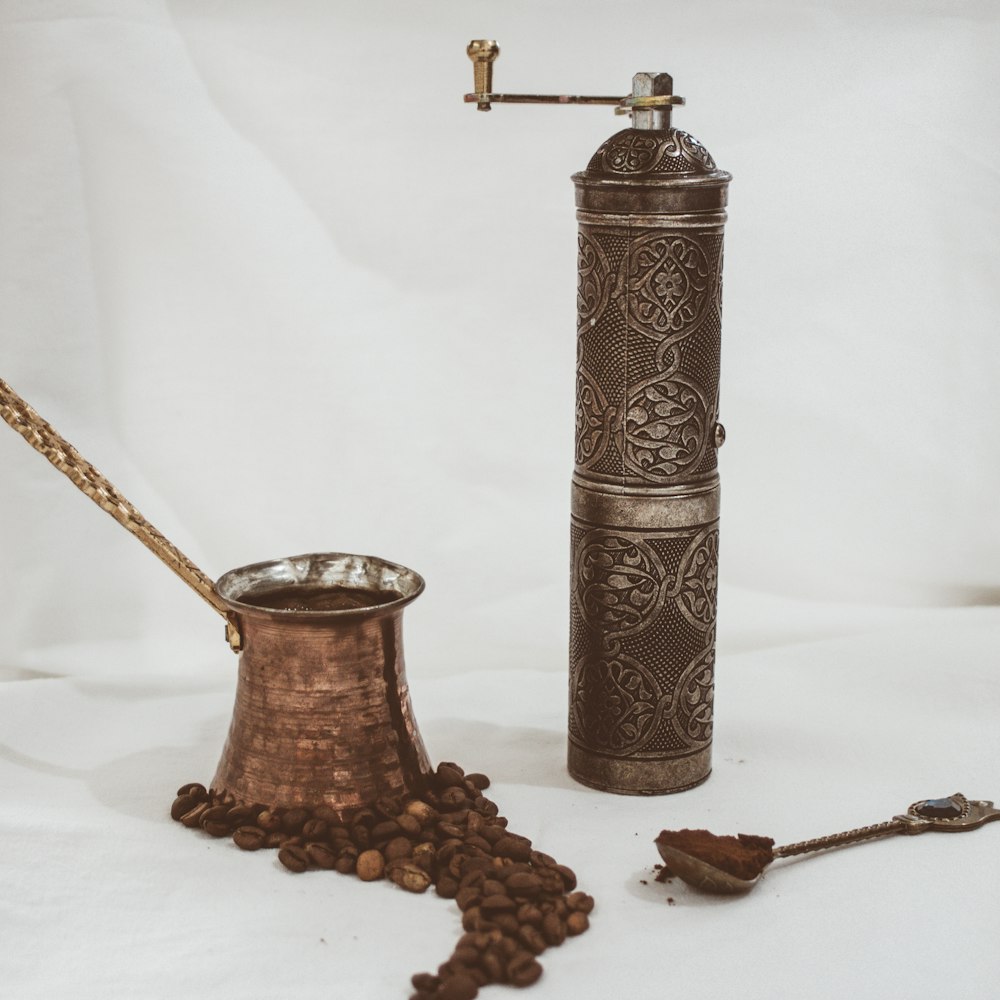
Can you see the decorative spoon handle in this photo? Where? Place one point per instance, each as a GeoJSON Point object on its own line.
{"type": "Point", "coordinates": [953, 814]}
{"type": "Point", "coordinates": [46, 441]}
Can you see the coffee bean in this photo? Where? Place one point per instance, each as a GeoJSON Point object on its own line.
{"type": "Point", "coordinates": [506, 922]}
{"type": "Point", "coordinates": [532, 938]}
{"type": "Point", "coordinates": [338, 833]}
{"type": "Point", "coordinates": [479, 843]}
{"type": "Point", "coordinates": [370, 866]}
{"type": "Point", "coordinates": [183, 804]}
{"type": "Point", "coordinates": [528, 913]}
{"type": "Point", "coordinates": [541, 860]}
{"type": "Point", "coordinates": [494, 966]}
{"type": "Point", "coordinates": [321, 855]}
{"type": "Point", "coordinates": [460, 986]}
{"type": "Point", "coordinates": [512, 846]}
{"type": "Point", "coordinates": [568, 876]}
{"type": "Point", "coordinates": [409, 825]}
{"type": "Point", "coordinates": [361, 836]}
{"type": "Point", "coordinates": [450, 830]}
{"type": "Point", "coordinates": [192, 818]}
{"type": "Point", "coordinates": [446, 887]}
{"type": "Point", "coordinates": [215, 814]}
{"type": "Point", "coordinates": [398, 848]}
{"type": "Point", "coordinates": [327, 814]}
{"type": "Point", "coordinates": [468, 896]}
{"type": "Point", "coordinates": [346, 864]}
{"type": "Point", "coordinates": [486, 807]}
{"type": "Point", "coordinates": [492, 833]}
{"type": "Point", "coordinates": [497, 903]}
{"type": "Point", "coordinates": [580, 901]}
{"type": "Point", "coordinates": [491, 887]}
{"type": "Point", "coordinates": [524, 884]}
{"type": "Point", "coordinates": [315, 829]}
{"type": "Point", "coordinates": [293, 820]}
{"type": "Point", "coordinates": [553, 929]}
{"type": "Point", "coordinates": [194, 788]}
{"type": "Point", "coordinates": [249, 838]}
{"type": "Point", "coordinates": [464, 955]}
{"type": "Point", "coordinates": [480, 781]}
{"type": "Point", "coordinates": [388, 806]}
{"type": "Point", "coordinates": [241, 816]}
{"type": "Point", "coordinates": [576, 923]}
{"type": "Point", "coordinates": [450, 776]}
{"type": "Point", "coordinates": [410, 877]}
{"type": "Point", "coordinates": [425, 981]}
{"type": "Point", "coordinates": [384, 831]}
{"type": "Point", "coordinates": [274, 839]}
{"type": "Point", "coordinates": [523, 970]}
{"type": "Point", "coordinates": [455, 798]}
{"type": "Point", "coordinates": [269, 820]}
{"type": "Point", "coordinates": [295, 859]}
{"type": "Point", "coordinates": [420, 811]}
{"type": "Point", "coordinates": [216, 829]}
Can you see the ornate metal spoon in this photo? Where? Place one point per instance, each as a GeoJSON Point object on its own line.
{"type": "Point", "coordinates": [953, 814]}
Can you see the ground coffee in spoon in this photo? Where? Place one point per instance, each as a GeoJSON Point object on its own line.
{"type": "Point", "coordinates": [744, 856]}
{"type": "Point", "coordinates": [515, 901]}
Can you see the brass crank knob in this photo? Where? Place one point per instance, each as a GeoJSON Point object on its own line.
{"type": "Point", "coordinates": [483, 52]}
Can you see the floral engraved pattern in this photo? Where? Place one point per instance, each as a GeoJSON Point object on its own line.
{"type": "Point", "coordinates": [637, 151]}
{"type": "Point", "coordinates": [630, 152]}
{"type": "Point", "coordinates": [686, 145]}
{"type": "Point", "coordinates": [692, 713]}
{"type": "Point", "coordinates": [592, 279]}
{"type": "Point", "coordinates": [594, 419]}
{"type": "Point", "coordinates": [667, 285]}
{"type": "Point", "coordinates": [615, 703]}
{"type": "Point", "coordinates": [665, 427]}
{"type": "Point", "coordinates": [619, 583]}
{"type": "Point", "coordinates": [695, 591]}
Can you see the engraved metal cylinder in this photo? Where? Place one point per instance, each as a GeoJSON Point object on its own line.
{"type": "Point", "coordinates": [645, 493]}
{"type": "Point", "coordinates": [322, 713]}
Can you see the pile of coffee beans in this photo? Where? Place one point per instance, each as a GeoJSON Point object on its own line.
{"type": "Point", "coordinates": [515, 901]}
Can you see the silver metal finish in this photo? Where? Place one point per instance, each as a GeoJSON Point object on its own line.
{"type": "Point", "coordinates": [645, 492]}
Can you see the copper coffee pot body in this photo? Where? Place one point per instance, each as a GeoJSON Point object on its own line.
{"type": "Point", "coordinates": [645, 493]}
{"type": "Point", "coordinates": [322, 713]}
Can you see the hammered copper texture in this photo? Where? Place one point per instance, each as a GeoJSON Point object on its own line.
{"type": "Point", "coordinates": [645, 491]}
{"type": "Point", "coordinates": [322, 714]}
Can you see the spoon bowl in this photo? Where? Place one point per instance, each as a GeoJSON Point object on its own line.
{"type": "Point", "coordinates": [702, 875]}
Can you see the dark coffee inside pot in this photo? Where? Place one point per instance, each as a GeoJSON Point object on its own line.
{"type": "Point", "coordinates": [300, 597]}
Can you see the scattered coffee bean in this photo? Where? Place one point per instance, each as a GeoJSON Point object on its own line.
{"type": "Point", "coordinates": [249, 838]}
{"type": "Point", "coordinates": [370, 866]}
{"type": "Point", "coordinates": [398, 848]}
{"type": "Point", "coordinates": [460, 986]}
{"type": "Point", "coordinates": [295, 859]}
{"type": "Point", "coordinates": [321, 856]}
{"type": "Point", "coordinates": [553, 929]}
{"type": "Point", "coordinates": [523, 971]}
{"type": "Point", "coordinates": [516, 901]}
{"type": "Point", "coordinates": [183, 804]}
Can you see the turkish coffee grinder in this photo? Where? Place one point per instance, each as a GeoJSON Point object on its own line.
{"type": "Point", "coordinates": [645, 489]}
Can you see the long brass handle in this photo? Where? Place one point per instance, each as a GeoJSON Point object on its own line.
{"type": "Point", "coordinates": [48, 442]}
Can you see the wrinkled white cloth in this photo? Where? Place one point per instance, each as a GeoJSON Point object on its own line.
{"type": "Point", "coordinates": [264, 268]}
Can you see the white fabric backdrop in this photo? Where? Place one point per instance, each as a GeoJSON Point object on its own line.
{"type": "Point", "coordinates": [262, 266]}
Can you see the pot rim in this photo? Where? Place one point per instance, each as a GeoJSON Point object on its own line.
{"type": "Point", "coordinates": [318, 569]}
